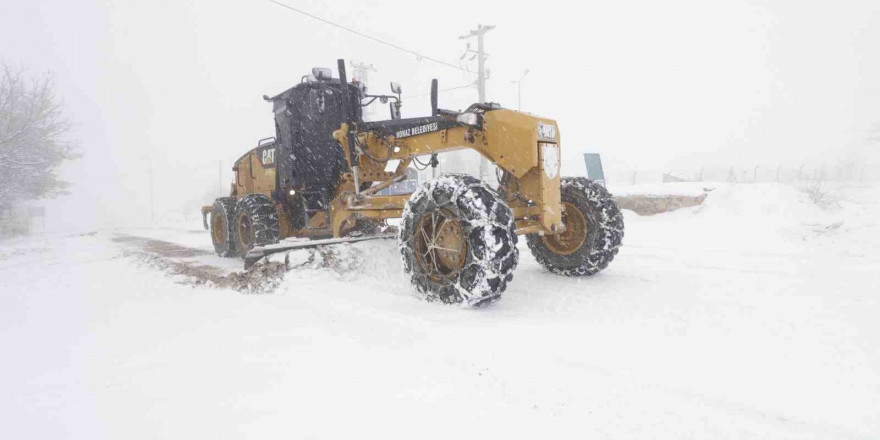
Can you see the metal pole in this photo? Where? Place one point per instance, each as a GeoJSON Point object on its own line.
{"type": "Point", "coordinates": [519, 90]}
{"type": "Point", "coordinates": [150, 180]}
{"type": "Point", "coordinates": [481, 86]}
{"type": "Point", "coordinates": [519, 95]}
{"type": "Point", "coordinates": [481, 82]}
{"type": "Point", "coordinates": [361, 73]}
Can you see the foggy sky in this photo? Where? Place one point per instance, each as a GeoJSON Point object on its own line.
{"type": "Point", "coordinates": [177, 85]}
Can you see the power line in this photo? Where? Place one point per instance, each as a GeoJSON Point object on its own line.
{"type": "Point", "coordinates": [440, 91]}
{"type": "Point", "coordinates": [369, 37]}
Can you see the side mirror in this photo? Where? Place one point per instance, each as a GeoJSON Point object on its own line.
{"type": "Point", "coordinates": [395, 88]}
{"type": "Point", "coordinates": [322, 73]}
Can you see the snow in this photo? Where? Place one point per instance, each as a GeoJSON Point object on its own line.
{"type": "Point", "coordinates": [693, 189]}
{"type": "Point", "coordinates": [750, 316]}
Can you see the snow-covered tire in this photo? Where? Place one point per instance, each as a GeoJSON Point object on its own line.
{"type": "Point", "coordinates": [256, 223]}
{"type": "Point", "coordinates": [603, 231]}
{"type": "Point", "coordinates": [482, 225]}
{"type": "Point", "coordinates": [222, 215]}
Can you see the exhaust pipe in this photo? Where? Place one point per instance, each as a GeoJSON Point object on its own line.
{"type": "Point", "coordinates": [434, 92]}
{"type": "Point", "coordinates": [348, 113]}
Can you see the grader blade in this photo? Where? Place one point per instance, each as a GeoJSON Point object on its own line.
{"type": "Point", "coordinates": [258, 253]}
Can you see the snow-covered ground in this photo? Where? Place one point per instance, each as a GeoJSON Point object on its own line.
{"type": "Point", "coordinates": [754, 315]}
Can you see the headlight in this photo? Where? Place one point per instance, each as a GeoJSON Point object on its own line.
{"type": "Point", "coordinates": [550, 159]}
{"type": "Point", "coordinates": [546, 131]}
{"type": "Point", "coordinates": [468, 119]}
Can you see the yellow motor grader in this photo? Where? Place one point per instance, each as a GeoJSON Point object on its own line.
{"type": "Point", "coordinates": [321, 175]}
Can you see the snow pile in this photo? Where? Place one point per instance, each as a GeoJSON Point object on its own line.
{"type": "Point", "coordinates": [686, 189]}
{"type": "Point", "coordinates": [347, 261]}
{"type": "Point", "coordinates": [852, 210]}
{"type": "Point", "coordinates": [762, 216]}
{"type": "Point", "coordinates": [769, 203]}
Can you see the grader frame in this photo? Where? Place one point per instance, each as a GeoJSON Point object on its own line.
{"type": "Point", "coordinates": [458, 235]}
{"type": "Point", "coordinates": [510, 139]}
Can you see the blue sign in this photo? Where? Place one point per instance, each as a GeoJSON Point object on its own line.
{"type": "Point", "coordinates": [594, 168]}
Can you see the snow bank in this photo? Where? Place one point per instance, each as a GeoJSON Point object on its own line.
{"type": "Point", "coordinates": [766, 202]}
{"type": "Point", "coordinates": [661, 197]}
{"type": "Point", "coordinates": [692, 189]}
{"type": "Point", "coordinates": [377, 259]}
{"type": "Point", "coordinates": [771, 217]}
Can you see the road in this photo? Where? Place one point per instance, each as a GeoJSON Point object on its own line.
{"type": "Point", "coordinates": [690, 333]}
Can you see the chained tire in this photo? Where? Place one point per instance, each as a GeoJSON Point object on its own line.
{"type": "Point", "coordinates": [222, 215]}
{"type": "Point", "coordinates": [256, 223]}
{"type": "Point", "coordinates": [593, 231]}
{"type": "Point", "coordinates": [458, 242]}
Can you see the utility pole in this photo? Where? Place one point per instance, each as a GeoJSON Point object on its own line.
{"type": "Point", "coordinates": [519, 90]}
{"type": "Point", "coordinates": [481, 81]}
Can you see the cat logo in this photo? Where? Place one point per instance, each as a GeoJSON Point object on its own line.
{"type": "Point", "coordinates": [268, 157]}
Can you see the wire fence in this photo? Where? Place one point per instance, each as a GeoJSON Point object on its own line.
{"type": "Point", "coordinates": [841, 172]}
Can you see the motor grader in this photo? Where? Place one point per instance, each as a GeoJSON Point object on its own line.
{"type": "Point", "coordinates": [319, 176]}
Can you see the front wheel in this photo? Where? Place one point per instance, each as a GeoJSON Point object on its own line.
{"type": "Point", "coordinates": [458, 241]}
{"type": "Point", "coordinates": [593, 231]}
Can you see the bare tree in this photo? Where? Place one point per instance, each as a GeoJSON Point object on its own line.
{"type": "Point", "coordinates": [32, 137]}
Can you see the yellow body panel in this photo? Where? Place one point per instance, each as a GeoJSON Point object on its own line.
{"type": "Point", "coordinates": [508, 138]}
{"type": "Point", "coordinates": [252, 176]}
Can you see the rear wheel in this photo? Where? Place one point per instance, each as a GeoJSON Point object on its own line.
{"type": "Point", "coordinates": [256, 223]}
{"type": "Point", "coordinates": [458, 242]}
{"type": "Point", "coordinates": [222, 219]}
{"type": "Point", "coordinates": [593, 231]}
